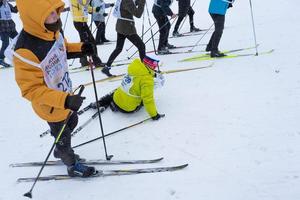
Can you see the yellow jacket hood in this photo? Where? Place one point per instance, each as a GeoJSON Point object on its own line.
{"type": "Point", "coordinates": [34, 13]}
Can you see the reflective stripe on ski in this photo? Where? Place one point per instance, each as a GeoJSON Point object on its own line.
{"type": "Point", "coordinates": [207, 57]}
{"type": "Point", "coordinates": [87, 162]}
{"type": "Point", "coordinates": [105, 173]}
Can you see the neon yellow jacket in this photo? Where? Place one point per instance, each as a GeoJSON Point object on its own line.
{"type": "Point", "coordinates": [78, 10]}
{"type": "Point", "coordinates": [142, 89]}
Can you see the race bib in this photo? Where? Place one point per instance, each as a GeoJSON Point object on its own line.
{"type": "Point", "coordinates": [159, 81]}
{"type": "Point", "coordinates": [55, 67]}
{"type": "Point", "coordinates": [127, 83]}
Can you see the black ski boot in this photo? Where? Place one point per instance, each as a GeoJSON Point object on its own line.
{"type": "Point", "coordinates": [81, 170]}
{"type": "Point", "coordinates": [4, 64]}
{"type": "Point", "coordinates": [216, 54]}
{"type": "Point", "coordinates": [106, 71]}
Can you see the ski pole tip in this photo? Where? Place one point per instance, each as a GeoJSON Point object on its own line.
{"type": "Point", "coordinates": [109, 157]}
{"type": "Point", "coordinates": [28, 194]}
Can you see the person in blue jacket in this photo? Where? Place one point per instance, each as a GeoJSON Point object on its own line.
{"type": "Point", "coordinates": [217, 10]}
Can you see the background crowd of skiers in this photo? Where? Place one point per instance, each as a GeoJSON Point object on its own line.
{"type": "Point", "coordinates": [124, 10]}
{"type": "Point", "coordinates": [41, 51]}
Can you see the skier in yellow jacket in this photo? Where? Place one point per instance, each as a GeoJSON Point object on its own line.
{"type": "Point", "coordinates": [80, 10]}
{"type": "Point", "coordinates": [41, 71]}
{"type": "Point", "coordinates": [137, 89]}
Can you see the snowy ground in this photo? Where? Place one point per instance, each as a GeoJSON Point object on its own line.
{"type": "Point", "coordinates": [236, 124]}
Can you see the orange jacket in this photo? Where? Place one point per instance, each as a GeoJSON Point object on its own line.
{"type": "Point", "coordinates": [30, 79]}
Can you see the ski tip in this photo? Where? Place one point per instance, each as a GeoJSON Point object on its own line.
{"type": "Point", "coordinates": [28, 194]}
{"type": "Point", "coordinates": [182, 166]}
{"type": "Point", "coordinates": [158, 159]}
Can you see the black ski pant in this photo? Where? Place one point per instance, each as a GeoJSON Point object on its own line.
{"type": "Point", "coordinates": [164, 29]}
{"type": "Point", "coordinates": [5, 41]}
{"type": "Point", "coordinates": [108, 101]}
{"type": "Point", "coordinates": [63, 146]}
{"type": "Point", "coordinates": [219, 21]}
{"type": "Point", "coordinates": [100, 34]}
{"type": "Point", "coordinates": [136, 41]}
{"type": "Point", "coordinates": [190, 13]}
{"type": "Point", "coordinates": [86, 36]}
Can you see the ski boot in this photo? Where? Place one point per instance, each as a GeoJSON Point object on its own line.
{"type": "Point", "coordinates": [194, 29]}
{"type": "Point", "coordinates": [105, 71]}
{"type": "Point", "coordinates": [216, 54]}
{"type": "Point", "coordinates": [176, 34]}
{"type": "Point", "coordinates": [4, 64]}
{"type": "Point", "coordinates": [81, 170]}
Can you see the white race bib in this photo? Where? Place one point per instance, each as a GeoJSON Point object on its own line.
{"type": "Point", "coordinates": [55, 67]}
{"type": "Point", "coordinates": [159, 81]}
{"type": "Point", "coordinates": [126, 84]}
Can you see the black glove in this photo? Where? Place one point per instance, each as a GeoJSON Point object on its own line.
{"type": "Point", "coordinates": [97, 9]}
{"type": "Point", "coordinates": [112, 5]}
{"type": "Point", "coordinates": [88, 49]}
{"type": "Point", "coordinates": [66, 9]}
{"type": "Point", "coordinates": [73, 102]}
{"type": "Point", "coordinates": [229, 5]}
{"type": "Point", "coordinates": [105, 14]}
{"type": "Point", "coordinates": [158, 116]}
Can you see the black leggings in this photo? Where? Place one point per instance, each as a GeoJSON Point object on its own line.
{"type": "Point", "coordinates": [64, 143]}
{"type": "Point", "coordinates": [219, 21]}
{"type": "Point", "coordinates": [136, 41]}
{"type": "Point", "coordinates": [190, 13]}
{"type": "Point", "coordinates": [100, 35]}
{"type": "Point", "coordinates": [86, 36]}
{"type": "Point", "coordinates": [164, 29]}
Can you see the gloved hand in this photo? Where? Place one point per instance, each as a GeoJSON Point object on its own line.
{"type": "Point", "coordinates": [105, 14]}
{"type": "Point", "coordinates": [66, 9]}
{"type": "Point", "coordinates": [158, 116]}
{"type": "Point", "coordinates": [112, 5]}
{"type": "Point", "coordinates": [229, 5]}
{"type": "Point", "coordinates": [73, 102]}
{"type": "Point", "coordinates": [88, 49]}
{"type": "Point", "coordinates": [97, 9]}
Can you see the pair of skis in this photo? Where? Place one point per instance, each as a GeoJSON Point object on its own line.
{"type": "Point", "coordinates": [206, 57]}
{"type": "Point", "coordinates": [100, 173]}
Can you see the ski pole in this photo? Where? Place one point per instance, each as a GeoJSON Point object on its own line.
{"type": "Point", "coordinates": [127, 127]}
{"type": "Point", "coordinates": [151, 28]}
{"type": "Point", "coordinates": [78, 113]}
{"type": "Point", "coordinates": [143, 26]}
{"type": "Point", "coordinates": [201, 38]}
{"type": "Point", "coordinates": [66, 20]}
{"type": "Point", "coordinates": [253, 27]}
{"type": "Point", "coordinates": [29, 193]}
{"type": "Point", "coordinates": [143, 34]}
{"type": "Point", "coordinates": [108, 157]}
{"type": "Point", "coordinates": [94, 116]}
{"type": "Point", "coordinates": [153, 36]}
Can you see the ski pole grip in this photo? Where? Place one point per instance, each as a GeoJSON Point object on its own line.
{"type": "Point", "coordinates": [81, 90]}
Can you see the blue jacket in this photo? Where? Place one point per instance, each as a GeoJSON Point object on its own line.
{"type": "Point", "coordinates": [218, 7]}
